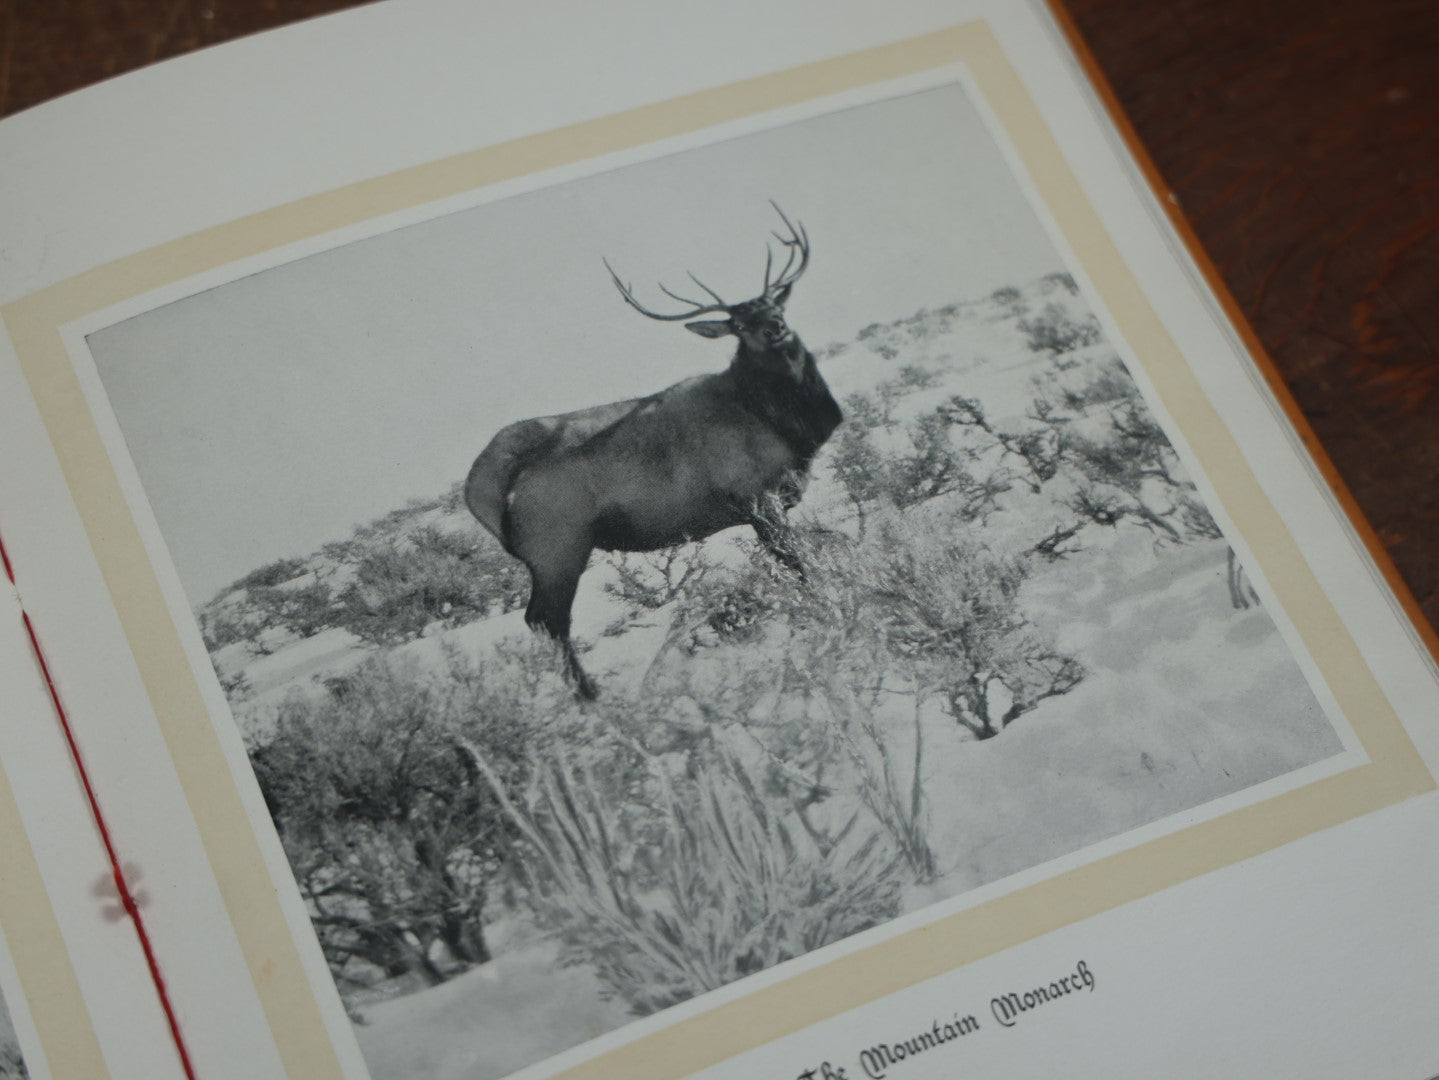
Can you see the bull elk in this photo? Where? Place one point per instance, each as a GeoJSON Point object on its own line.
{"type": "Point", "coordinates": [708, 453]}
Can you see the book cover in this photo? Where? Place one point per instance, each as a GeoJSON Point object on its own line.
{"type": "Point", "coordinates": [780, 567]}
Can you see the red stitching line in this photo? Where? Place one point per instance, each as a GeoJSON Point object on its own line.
{"type": "Point", "coordinates": [127, 899]}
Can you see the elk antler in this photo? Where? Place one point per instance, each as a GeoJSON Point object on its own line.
{"type": "Point", "coordinates": [796, 244]}
{"type": "Point", "coordinates": [796, 247]}
{"type": "Point", "coordinates": [696, 307]}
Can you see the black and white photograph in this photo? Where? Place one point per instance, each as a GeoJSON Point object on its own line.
{"type": "Point", "coordinates": [629, 585]}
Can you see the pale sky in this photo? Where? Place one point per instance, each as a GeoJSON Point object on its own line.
{"type": "Point", "coordinates": [275, 413]}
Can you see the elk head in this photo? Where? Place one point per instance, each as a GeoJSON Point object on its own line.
{"type": "Point", "coordinates": [765, 339]}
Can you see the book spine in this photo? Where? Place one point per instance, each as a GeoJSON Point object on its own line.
{"type": "Point", "coordinates": [122, 886]}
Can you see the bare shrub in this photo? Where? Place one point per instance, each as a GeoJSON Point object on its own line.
{"type": "Point", "coordinates": [951, 606]}
{"type": "Point", "coordinates": [1093, 428]}
{"type": "Point", "coordinates": [1109, 384]}
{"type": "Point", "coordinates": [1241, 592]}
{"type": "Point", "coordinates": [12, 1065]}
{"type": "Point", "coordinates": [1130, 471]}
{"type": "Point", "coordinates": [650, 580]}
{"type": "Point", "coordinates": [881, 338]}
{"type": "Point", "coordinates": [235, 687]}
{"type": "Point", "coordinates": [1061, 280]}
{"type": "Point", "coordinates": [1039, 447]}
{"type": "Point", "coordinates": [893, 790]}
{"type": "Point", "coordinates": [857, 464]}
{"type": "Point", "coordinates": [714, 883]}
{"type": "Point", "coordinates": [921, 600]}
{"type": "Point", "coordinates": [403, 584]}
{"type": "Point", "coordinates": [889, 392]}
{"type": "Point", "coordinates": [853, 654]}
{"type": "Point", "coordinates": [222, 626]}
{"type": "Point", "coordinates": [303, 611]}
{"type": "Point", "coordinates": [394, 840]}
{"type": "Point", "coordinates": [1056, 331]}
{"type": "Point", "coordinates": [272, 573]}
{"type": "Point", "coordinates": [930, 463]}
{"type": "Point", "coordinates": [237, 618]}
{"type": "Point", "coordinates": [930, 468]}
{"type": "Point", "coordinates": [1195, 516]}
{"type": "Point", "coordinates": [733, 606]}
{"type": "Point", "coordinates": [1058, 542]}
{"type": "Point", "coordinates": [829, 732]}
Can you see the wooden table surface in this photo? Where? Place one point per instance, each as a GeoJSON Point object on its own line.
{"type": "Point", "coordinates": [1300, 136]}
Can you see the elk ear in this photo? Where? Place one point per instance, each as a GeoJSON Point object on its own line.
{"type": "Point", "coordinates": [710, 328]}
{"type": "Point", "coordinates": [781, 295]}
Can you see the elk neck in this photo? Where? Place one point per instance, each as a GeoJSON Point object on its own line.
{"type": "Point", "coordinates": [803, 412]}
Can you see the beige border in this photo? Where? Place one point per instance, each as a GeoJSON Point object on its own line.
{"type": "Point", "coordinates": [42, 961]}
{"type": "Point", "coordinates": [1396, 771]}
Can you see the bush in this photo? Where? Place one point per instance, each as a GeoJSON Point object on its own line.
{"type": "Point", "coordinates": [12, 1065]}
{"type": "Point", "coordinates": [1059, 280]}
{"type": "Point", "coordinates": [650, 580]}
{"type": "Point", "coordinates": [930, 463]}
{"type": "Point", "coordinates": [843, 666]}
{"type": "Point", "coordinates": [856, 461]}
{"type": "Point", "coordinates": [402, 585]}
{"type": "Point", "coordinates": [281, 570]}
{"type": "Point", "coordinates": [394, 840]}
{"type": "Point", "coordinates": [1128, 470]}
{"type": "Point", "coordinates": [836, 747]}
{"type": "Point", "coordinates": [220, 627]}
{"type": "Point", "coordinates": [303, 611]}
{"type": "Point", "coordinates": [1110, 384]}
{"type": "Point", "coordinates": [920, 600]}
{"type": "Point", "coordinates": [881, 338]}
{"type": "Point", "coordinates": [713, 883]}
{"type": "Point", "coordinates": [733, 604]}
{"type": "Point", "coordinates": [912, 377]}
{"type": "Point", "coordinates": [1055, 331]}
{"type": "Point", "coordinates": [1093, 427]}
{"type": "Point", "coordinates": [932, 467]}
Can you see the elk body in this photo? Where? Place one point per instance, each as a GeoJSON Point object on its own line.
{"type": "Point", "coordinates": [708, 453]}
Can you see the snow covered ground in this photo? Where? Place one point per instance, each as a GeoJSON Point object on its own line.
{"type": "Point", "coordinates": [519, 1008]}
{"type": "Point", "coordinates": [1186, 696]}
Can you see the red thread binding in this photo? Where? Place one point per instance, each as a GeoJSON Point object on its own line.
{"type": "Point", "coordinates": [127, 899]}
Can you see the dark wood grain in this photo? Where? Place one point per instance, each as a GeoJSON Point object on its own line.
{"type": "Point", "coordinates": [1302, 139]}
{"type": "Point", "coordinates": [1300, 136]}
{"type": "Point", "coordinates": [50, 47]}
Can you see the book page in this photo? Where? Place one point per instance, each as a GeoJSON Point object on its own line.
{"type": "Point", "coordinates": [508, 657]}
{"type": "Point", "coordinates": [75, 994]}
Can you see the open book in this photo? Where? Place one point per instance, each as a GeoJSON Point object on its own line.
{"type": "Point", "coordinates": [539, 553]}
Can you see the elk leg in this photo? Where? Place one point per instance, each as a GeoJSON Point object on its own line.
{"type": "Point", "coordinates": [552, 594]}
